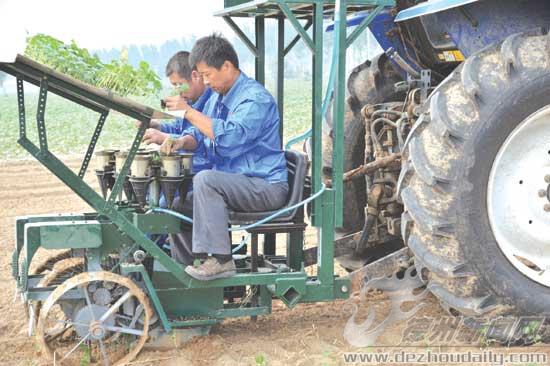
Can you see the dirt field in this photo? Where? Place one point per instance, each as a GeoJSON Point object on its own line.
{"type": "Point", "coordinates": [310, 334]}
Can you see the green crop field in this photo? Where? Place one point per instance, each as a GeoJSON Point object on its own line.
{"type": "Point", "coordinates": [70, 126]}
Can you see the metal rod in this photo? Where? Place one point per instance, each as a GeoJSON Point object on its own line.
{"type": "Point", "coordinates": [40, 124]}
{"type": "Point", "coordinates": [297, 38]}
{"type": "Point", "coordinates": [115, 306]}
{"type": "Point", "coordinates": [92, 144]}
{"type": "Point", "coordinates": [113, 328]}
{"type": "Point", "coordinates": [296, 24]}
{"type": "Point", "coordinates": [338, 111]}
{"type": "Point", "coordinates": [281, 73]}
{"type": "Point", "coordinates": [361, 27]}
{"type": "Point", "coordinates": [260, 47]}
{"type": "Point", "coordinates": [317, 118]}
{"type": "Point", "coordinates": [21, 106]}
{"type": "Point", "coordinates": [247, 42]}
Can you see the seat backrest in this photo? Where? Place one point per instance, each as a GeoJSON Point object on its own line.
{"type": "Point", "coordinates": [296, 163]}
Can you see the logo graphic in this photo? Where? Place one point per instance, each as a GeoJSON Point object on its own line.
{"type": "Point", "coordinates": [399, 291]}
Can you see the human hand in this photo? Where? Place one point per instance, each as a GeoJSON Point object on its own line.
{"type": "Point", "coordinates": [176, 103]}
{"type": "Point", "coordinates": [153, 136]}
{"type": "Point", "coordinates": [171, 145]}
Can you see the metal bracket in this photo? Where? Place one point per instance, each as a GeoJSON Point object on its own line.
{"type": "Point", "coordinates": [296, 24]}
{"type": "Point", "coordinates": [92, 144]}
{"type": "Point", "coordinates": [41, 125]}
{"type": "Point", "coordinates": [21, 105]}
{"type": "Point", "coordinates": [423, 83]}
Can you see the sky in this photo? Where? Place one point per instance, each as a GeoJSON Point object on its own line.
{"type": "Point", "coordinates": [98, 24]}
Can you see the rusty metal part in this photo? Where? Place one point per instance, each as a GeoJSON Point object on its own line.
{"type": "Point", "coordinates": [383, 267]}
{"type": "Point", "coordinates": [81, 281]}
{"type": "Point", "coordinates": [393, 161]}
{"type": "Point", "coordinates": [60, 269]}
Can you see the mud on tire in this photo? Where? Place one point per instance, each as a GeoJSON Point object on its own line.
{"type": "Point", "coordinates": [443, 184]}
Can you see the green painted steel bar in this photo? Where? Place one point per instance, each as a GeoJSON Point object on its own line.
{"type": "Point", "coordinates": [193, 323]}
{"type": "Point", "coordinates": [41, 110]}
{"type": "Point", "coordinates": [125, 269]}
{"type": "Point", "coordinates": [242, 279]}
{"type": "Point", "coordinates": [338, 111]}
{"type": "Point", "coordinates": [93, 142]}
{"type": "Point", "coordinates": [296, 24]}
{"type": "Point", "coordinates": [21, 107]}
{"type": "Point", "coordinates": [260, 46]}
{"type": "Point", "coordinates": [251, 311]}
{"type": "Point", "coordinates": [317, 117]}
{"type": "Point", "coordinates": [297, 38]}
{"type": "Point", "coordinates": [361, 27]}
{"type": "Point", "coordinates": [119, 182]}
{"type": "Point", "coordinates": [281, 73]}
{"type": "Point", "coordinates": [247, 42]}
{"type": "Point", "coordinates": [325, 254]}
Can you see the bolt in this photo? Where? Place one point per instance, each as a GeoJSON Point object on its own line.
{"type": "Point", "coordinates": [542, 192]}
{"type": "Point", "coordinates": [344, 289]}
{"type": "Point", "coordinates": [547, 178]}
{"type": "Point", "coordinates": [547, 207]}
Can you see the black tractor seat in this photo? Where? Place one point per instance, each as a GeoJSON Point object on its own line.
{"type": "Point", "coordinates": [297, 165]}
{"type": "Point", "coordinates": [290, 223]}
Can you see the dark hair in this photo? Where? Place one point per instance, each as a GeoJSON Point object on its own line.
{"type": "Point", "coordinates": [179, 63]}
{"type": "Point", "coordinates": [213, 50]}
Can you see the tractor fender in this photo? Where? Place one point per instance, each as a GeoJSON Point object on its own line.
{"type": "Point", "coordinates": [430, 7]}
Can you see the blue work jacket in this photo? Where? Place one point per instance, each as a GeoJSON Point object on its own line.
{"type": "Point", "coordinates": [246, 141]}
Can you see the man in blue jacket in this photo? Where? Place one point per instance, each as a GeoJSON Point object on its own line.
{"type": "Point", "coordinates": [180, 73]}
{"type": "Point", "coordinates": [239, 129]}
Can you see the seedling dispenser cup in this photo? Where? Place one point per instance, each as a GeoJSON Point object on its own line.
{"type": "Point", "coordinates": [140, 177]}
{"type": "Point", "coordinates": [105, 161]}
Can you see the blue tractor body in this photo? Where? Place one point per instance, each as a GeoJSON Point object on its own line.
{"type": "Point", "coordinates": [439, 34]}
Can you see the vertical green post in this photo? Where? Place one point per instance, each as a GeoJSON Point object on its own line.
{"type": "Point", "coordinates": [260, 47]}
{"type": "Point", "coordinates": [317, 102]}
{"type": "Point", "coordinates": [338, 111]}
{"type": "Point", "coordinates": [280, 71]}
{"type": "Point", "coordinates": [295, 250]}
{"type": "Point", "coordinates": [325, 254]}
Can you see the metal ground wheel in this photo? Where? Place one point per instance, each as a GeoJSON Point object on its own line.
{"type": "Point", "coordinates": [518, 197]}
{"type": "Point", "coordinates": [107, 324]}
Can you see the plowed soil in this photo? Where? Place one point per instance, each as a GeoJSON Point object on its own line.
{"type": "Point", "coordinates": [309, 334]}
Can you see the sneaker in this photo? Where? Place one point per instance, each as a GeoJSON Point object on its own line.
{"type": "Point", "coordinates": [212, 269]}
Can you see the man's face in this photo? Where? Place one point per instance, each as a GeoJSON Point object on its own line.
{"type": "Point", "coordinates": [195, 86]}
{"type": "Point", "coordinates": [218, 79]}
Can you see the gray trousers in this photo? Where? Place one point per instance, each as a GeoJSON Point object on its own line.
{"type": "Point", "coordinates": [214, 194]}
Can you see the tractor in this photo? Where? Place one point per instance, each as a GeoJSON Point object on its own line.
{"type": "Point", "coordinates": [458, 98]}
{"type": "Point", "coordinates": [419, 161]}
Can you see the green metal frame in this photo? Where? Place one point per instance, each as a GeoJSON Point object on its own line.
{"type": "Point", "coordinates": [312, 12]}
{"type": "Point", "coordinates": [122, 228]}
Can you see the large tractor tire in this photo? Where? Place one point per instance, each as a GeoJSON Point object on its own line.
{"type": "Point", "coordinates": [475, 183]}
{"type": "Point", "coordinates": [369, 83]}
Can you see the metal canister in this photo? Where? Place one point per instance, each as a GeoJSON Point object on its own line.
{"type": "Point", "coordinates": [120, 159]}
{"type": "Point", "coordinates": [186, 162]}
{"type": "Point", "coordinates": [172, 165]}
